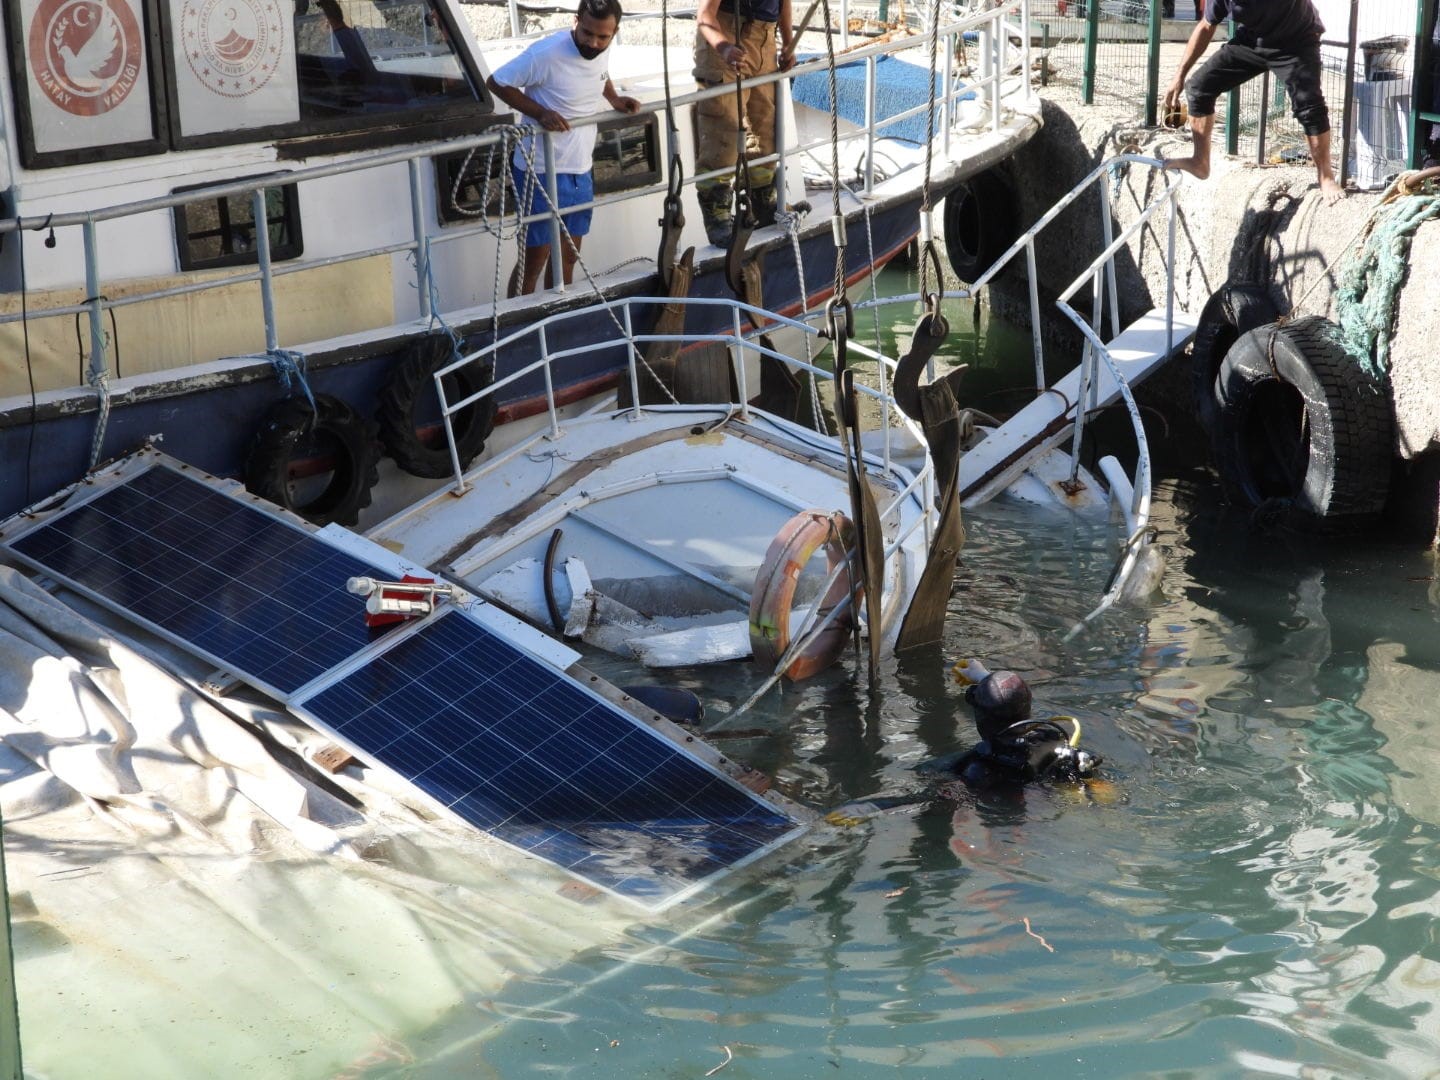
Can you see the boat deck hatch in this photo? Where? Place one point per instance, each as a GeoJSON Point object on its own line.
{"type": "Point", "coordinates": [463, 710]}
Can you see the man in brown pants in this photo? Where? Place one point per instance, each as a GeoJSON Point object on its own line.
{"type": "Point", "coordinates": [736, 39]}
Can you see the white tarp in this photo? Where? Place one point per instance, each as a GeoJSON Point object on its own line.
{"type": "Point", "coordinates": [186, 905]}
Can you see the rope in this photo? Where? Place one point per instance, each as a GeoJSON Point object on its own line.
{"type": "Point", "coordinates": [927, 229]}
{"type": "Point", "coordinates": [838, 218]}
{"type": "Point", "coordinates": [1372, 276]}
{"type": "Point", "coordinates": [289, 368]}
{"type": "Point", "coordinates": [436, 318]}
{"type": "Point", "coordinates": [789, 220]}
{"type": "Point", "coordinates": [101, 382]}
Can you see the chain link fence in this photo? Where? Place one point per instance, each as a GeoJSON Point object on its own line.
{"type": "Point", "coordinates": [1123, 54]}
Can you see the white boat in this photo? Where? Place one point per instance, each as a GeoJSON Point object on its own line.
{"type": "Point", "coordinates": [143, 301]}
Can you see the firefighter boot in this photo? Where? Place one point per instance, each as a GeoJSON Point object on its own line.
{"type": "Point", "coordinates": [715, 212]}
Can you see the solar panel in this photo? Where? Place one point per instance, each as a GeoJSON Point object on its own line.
{"type": "Point", "coordinates": [256, 595]}
{"type": "Point", "coordinates": [502, 739]}
{"type": "Point", "coordinates": [531, 756]}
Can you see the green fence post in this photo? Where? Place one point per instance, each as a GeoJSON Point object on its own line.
{"type": "Point", "coordinates": [1092, 41]}
{"type": "Point", "coordinates": [1152, 67]}
{"type": "Point", "coordinates": [1421, 78]}
{"type": "Point", "coordinates": [10, 1068]}
{"type": "Point", "coordinates": [1232, 123]}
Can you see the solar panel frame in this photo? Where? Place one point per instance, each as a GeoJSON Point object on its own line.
{"type": "Point", "coordinates": [545, 838]}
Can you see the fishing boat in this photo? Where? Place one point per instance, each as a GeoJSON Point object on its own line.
{"type": "Point", "coordinates": [237, 209]}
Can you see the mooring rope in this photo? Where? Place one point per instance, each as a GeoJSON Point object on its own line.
{"type": "Point", "coordinates": [1372, 276]}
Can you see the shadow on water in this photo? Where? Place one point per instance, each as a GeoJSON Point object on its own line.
{"type": "Point", "coordinates": [1258, 895]}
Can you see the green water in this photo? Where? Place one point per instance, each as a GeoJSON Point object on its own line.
{"type": "Point", "coordinates": [1256, 895]}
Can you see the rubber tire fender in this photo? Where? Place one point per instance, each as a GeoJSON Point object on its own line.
{"type": "Point", "coordinates": [1232, 310]}
{"type": "Point", "coordinates": [981, 221]}
{"type": "Point", "coordinates": [332, 431]}
{"type": "Point", "coordinates": [413, 381]}
{"type": "Point", "coordinates": [1301, 421]}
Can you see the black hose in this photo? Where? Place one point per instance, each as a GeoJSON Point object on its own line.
{"type": "Point", "coordinates": [549, 585]}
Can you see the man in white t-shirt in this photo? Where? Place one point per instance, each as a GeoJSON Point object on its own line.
{"type": "Point", "coordinates": [557, 78]}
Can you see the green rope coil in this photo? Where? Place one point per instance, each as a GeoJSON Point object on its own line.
{"type": "Point", "coordinates": [1371, 279]}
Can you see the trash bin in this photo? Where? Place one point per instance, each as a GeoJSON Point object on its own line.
{"type": "Point", "coordinates": [1384, 58]}
{"type": "Point", "coordinates": [1382, 105]}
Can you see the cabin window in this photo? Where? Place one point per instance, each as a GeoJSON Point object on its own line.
{"type": "Point", "coordinates": [627, 156]}
{"type": "Point", "coordinates": [462, 201]}
{"type": "Point", "coordinates": [221, 232]}
{"type": "Point", "coordinates": [366, 57]}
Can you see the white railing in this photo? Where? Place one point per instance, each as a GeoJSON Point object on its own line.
{"type": "Point", "coordinates": [918, 487]}
{"type": "Point", "coordinates": [1100, 276]}
{"type": "Point", "coordinates": [995, 34]}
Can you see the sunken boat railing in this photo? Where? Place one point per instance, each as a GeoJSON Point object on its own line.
{"type": "Point", "coordinates": [1003, 44]}
{"type": "Point", "coordinates": [1130, 493]}
{"type": "Point", "coordinates": [918, 484]}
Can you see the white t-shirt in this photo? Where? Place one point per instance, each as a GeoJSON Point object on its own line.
{"type": "Point", "coordinates": [554, 75]}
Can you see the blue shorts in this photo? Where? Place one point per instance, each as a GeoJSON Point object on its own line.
{"type": "Point", "coordinates": [570, 189]}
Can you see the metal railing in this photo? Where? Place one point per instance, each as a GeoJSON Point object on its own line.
{"type": "Point", "coordinates": [1132, 498]}
{"type": "Point", "coordinates": [994, 27]}
{"type": "Point", "coordinates": [918, 486]}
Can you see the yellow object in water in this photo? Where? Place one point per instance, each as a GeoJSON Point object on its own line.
{"type": "Point", "coordinates": [968, 672]}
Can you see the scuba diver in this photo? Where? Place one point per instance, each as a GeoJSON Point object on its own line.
{"type": "Point", "coordinates": [1014, 747]}
{"type": "Point", "coordinates": [1014, 750]}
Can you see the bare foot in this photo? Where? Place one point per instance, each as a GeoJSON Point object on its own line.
{"type": "Point", "coordinates": [1330, 190]}
{"type": "Point", "coordinates": [1199, 170]}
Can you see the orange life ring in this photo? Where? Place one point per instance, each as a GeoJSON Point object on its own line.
{"type": "Point", "coordinates": [777, 580]}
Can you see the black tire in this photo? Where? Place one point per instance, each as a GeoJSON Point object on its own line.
{"type": "Point", "coordinates": [1233, 310]}
{"type": "Point", "coordinates": [981, 221]}
{"type": "Point", "coordinates": [1303, 428]}
{"type": "Point", "coordinates": [320, 463]}
{"type": "Point", "coordinates": [411, 428]}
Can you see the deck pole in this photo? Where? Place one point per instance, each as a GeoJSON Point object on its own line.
{"type": "Point", "coordinates": [99, 363]}
{"type": "Point", "coordinates": [557, 259]}
{"type": "Point", "coordinates": [260, 217]}
{"type": "Point", "coordinates": [422, 243]}
{"type": "Point", "coordinates": [10, 1067]}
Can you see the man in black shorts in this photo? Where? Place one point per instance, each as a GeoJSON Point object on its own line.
{"type": "Point", "coordinates": [1282, 36]}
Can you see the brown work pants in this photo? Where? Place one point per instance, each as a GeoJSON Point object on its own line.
{"type": "Point", "coordinates": [716, 122]}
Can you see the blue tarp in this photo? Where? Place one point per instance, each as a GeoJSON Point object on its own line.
{"type": "Point", "coordinates": [899, 86]}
